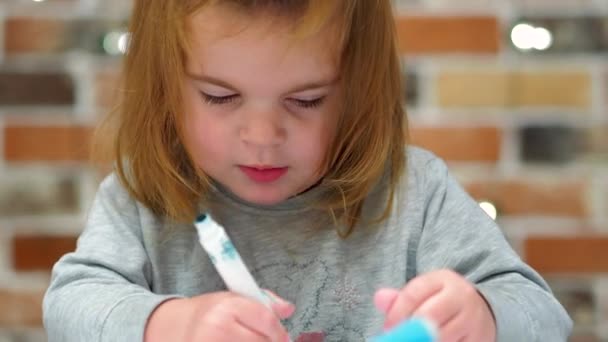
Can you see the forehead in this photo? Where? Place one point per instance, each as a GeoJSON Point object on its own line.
{"type": "Point", "coordinates": [222, 34]}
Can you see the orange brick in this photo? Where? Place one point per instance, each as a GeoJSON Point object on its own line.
{"type": "Point", "coordinates": [567, 255]}
{"type": "Point", "coordinates": [562, 89]}
{"type": "Point", "coordinates": [520, 198]}
{"type": "Point", "coordinates": [473, 89]}
{"type": "Point", "coordinates": [29, 35]}
{"type": "Point", "coordinates": [499, 88]}
{"type": "Point", "coordinates": [435, 35]}
{"type": "Point", "coordinates": [460, 144]}
{"type": "Point", "coordinates": [39, 253]}
{"type": "Point", "coordinates": [20, 309]}
{"type": "Point", "coordinates": [46, 143]}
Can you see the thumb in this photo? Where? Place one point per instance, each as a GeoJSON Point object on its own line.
{"type": "Point", "coordinates": [282, 308]}
{"type": "Point", "coordinates": [384, 299]}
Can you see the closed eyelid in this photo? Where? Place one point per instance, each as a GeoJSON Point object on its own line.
{"type": "Point", "coordinates": [315, 87]}
{"type": "Point", "coordinates": [205, 80]}
{"type": "Point", "coordinates": [307, 96]}
{"type": "Point", "coordinates": [218, 92]}
{"type": "Point", "coordinates": [312, 94]}
{"type": "Point", "coordinates": [321, 87]}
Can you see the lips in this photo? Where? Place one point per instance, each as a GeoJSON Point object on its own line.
{"type": "Point", "coordinates": [263, 174]}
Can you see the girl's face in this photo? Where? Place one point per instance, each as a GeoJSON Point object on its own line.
{"type": "Point", "coordinates": [261, 107]}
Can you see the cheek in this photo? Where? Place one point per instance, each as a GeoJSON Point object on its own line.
{"type": "Point", "coordinates": [204, 138]}
{"type": "Point", "coordinates": [326, 135]}
{"type": "Point", "coordinates": [315, 144]}
{"type": "Point", "coordinates": [208, 140]}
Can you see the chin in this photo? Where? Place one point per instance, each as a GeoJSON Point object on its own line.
{"type": "Point", "coordinates": [263, 198]}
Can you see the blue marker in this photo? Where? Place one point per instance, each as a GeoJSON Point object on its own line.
{"type": "Point", "coordinates": [227, 260]}
{"type": "Point", "coordinates": [412, 330]}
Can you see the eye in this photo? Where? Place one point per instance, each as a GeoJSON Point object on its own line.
{"type": "Point", "coordinates": [219, 100]}
{"type": "Point", "coordinates": [308, 103]}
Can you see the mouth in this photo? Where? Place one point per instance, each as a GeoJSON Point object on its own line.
{"type": "Point", "coordinates": [263, 173]}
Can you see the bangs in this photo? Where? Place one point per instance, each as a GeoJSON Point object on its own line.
{"type": "Point", "coordinates": [307, 17]}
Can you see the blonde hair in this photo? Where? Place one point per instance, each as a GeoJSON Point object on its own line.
{"type": "Point", "coordinates": [143, 136]}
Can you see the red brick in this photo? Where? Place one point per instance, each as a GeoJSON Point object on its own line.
{"type": "Point", "coordinates": [29, 35]}
{"type": "Point", "coordinates": [567, 254]}
{"type": "Point", "coordinates": [564, 198]}
{"type": "Point", "coordinates": [39, 253]}
{"type": "Point", "coordinates": [460, 144]}
{"type": "Point", "coordinates": [46, 143]}
{"type": "Point", "coordinates": [20, 309]}
{"type": "Point", "coordinates": [434, 35]}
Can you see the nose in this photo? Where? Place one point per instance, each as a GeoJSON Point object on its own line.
{"type": "Point", "coordinates": [263, 130]}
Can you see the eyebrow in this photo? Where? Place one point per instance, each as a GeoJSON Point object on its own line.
{"type": "Point", "coordinates": [302, 87]}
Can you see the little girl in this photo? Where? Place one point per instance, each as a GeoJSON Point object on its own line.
{"type": "Point", "coordinates": [283, 120]}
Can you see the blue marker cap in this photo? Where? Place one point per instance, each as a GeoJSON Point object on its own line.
{"type": "Point", "coordinates": [412, 330]}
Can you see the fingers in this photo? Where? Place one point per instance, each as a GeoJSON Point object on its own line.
{"type": "Point", "coordinates": [282, 308]}
{"type": "Point", "coordinates": [416, 292]}
{"type": "Point", "coordinates": [260, 319]}
{"type": "Point", "coordinates": [446, 299]}
{"type": "Point", "coordinates": [385, 298]}
{"type": "Point", "coordinates": [253, 316]}
{"type": "Point", "coordinates": [441, 307]}
{"type": "Point", "coordinates": [452, 331]}
{"type": "Point", "coordinates": [243, 333]}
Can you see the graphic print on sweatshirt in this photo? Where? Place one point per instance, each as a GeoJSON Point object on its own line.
{"type": "Point", "coordinates": [323, 300]}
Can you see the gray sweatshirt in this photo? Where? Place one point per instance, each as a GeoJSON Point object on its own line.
{"type": "Point", "coordinates": [128, 261]}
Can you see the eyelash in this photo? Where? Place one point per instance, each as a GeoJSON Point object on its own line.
{"type": "Point", "coordinates": [220, 100]}
{"type": "Point", "coordinates": [309, 103]}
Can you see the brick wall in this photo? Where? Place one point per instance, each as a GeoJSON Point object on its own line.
{"type": "Point", "coordinates": [526, 131]}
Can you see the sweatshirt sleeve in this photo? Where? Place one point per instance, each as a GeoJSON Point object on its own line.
{"type": "Point", "coordinates": [101, 292]}
{"type": "Point", "coordinates": [457, 234]}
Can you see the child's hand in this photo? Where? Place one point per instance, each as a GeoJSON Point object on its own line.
{"type": "Point", "coordinates": [445, 298]}
{"type": "Point", "coordinates": [218, 316]}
